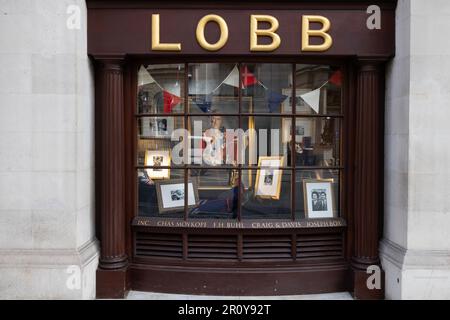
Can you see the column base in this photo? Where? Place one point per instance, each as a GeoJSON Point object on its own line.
{"type": "Point", "coordinates": [49, 273]}
{"type": "Point", "coordinates": [361, 290]}
{"type": "Point", "coordinates": [112, 284]}
{"type": "Point", "coordinates": [415, 274]}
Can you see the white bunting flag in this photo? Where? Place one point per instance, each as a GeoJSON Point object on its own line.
{"type": "Point", "coordinates": [233, 78]}
{"type": "Point", "coordinates": [312, 98]}
{"type": "Point", "coordinates": [144, 77]}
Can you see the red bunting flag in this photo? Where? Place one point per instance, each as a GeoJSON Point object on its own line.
{"type": "Point", "coordinates": [248, 78]}
{"type": "Point", "coordinates": [170, 101]}
{"type": "Point", "coordinates": [336, 78]}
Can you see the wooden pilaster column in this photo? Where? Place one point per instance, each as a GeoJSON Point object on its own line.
{"type": "Point", "coordinates": [367, 178]}
{"type": "Point", "coordinates": [111, 273]}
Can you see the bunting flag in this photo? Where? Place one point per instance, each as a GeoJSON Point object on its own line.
{"type": "Point", "coordinates": [312, 99]}
{"type": "Point", "coordinates": [275, 100]}
{"type": "Point", "coordinates": [336, 78]}
{"type": "Point", "coordinates": [205, 103]}
{"type": "Point", "coordinates": [232, 79]}
{"type": "Point", "coordinates": [144, 77]}
{"type": "Point", "coordinates": [248, 78]}
{"type": "Point", "coordinates": [170, 101]}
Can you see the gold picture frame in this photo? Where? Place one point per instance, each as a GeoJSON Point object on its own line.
{"type": "Point", "coordinates": [270, 186]}
{"type": "Point", "coordinates": [155, 158]}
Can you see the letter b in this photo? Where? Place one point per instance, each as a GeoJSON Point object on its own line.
{"type": "Point", "coordinates": [255, 33]}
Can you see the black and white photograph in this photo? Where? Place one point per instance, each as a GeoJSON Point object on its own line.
{"type": "Point", "coordinates": [318, 199]}
{"type": "Point", "coordinates": [268, 178]}
{"type": "Point", "coordinates": [171, 195]}
{"type": "Point", "coordinates": [177, 194]}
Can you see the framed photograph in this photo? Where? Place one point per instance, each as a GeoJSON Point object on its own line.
{"type": "Point", "coordinates": [171, 195]}
{"type": "Point", "coordinates": [268, 177]}
{"type": "Point", "coordinates": [155, 159]}
{"type": "Point", "coordinates": [318, 199]}
{"type": "Point", "coordinates": [156, 127]}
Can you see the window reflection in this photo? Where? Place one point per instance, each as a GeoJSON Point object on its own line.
{"type": "Point", "coordinates": [161, 88]}
{"type": "Point", "coordinates": [267, 194]}
{"type": "Point", "coordinates": [318, 89]}
{"type": "Point", "coordinates": [217, 193]}
{"type": "Point", "coordinates": [213, 88]}
{"type": "Point", "coordinates": [268, 86]}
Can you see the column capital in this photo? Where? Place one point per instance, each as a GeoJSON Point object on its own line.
{"type": "Point", "coordinates": [111, 62]}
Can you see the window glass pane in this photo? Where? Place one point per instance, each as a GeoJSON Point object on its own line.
{"type": "Point", "coordinates": [150, 204]}
{"type": "Point", "coordinates": [267, 88]}
{"type": "Point", "coordinates": [156, 134]}
{"type": "Point", "coordinates": [317, 141]}
{"type": "Point", "coordinates": [212, 140]}
{"type": "Point", "coordinates": [161, 88]}
{"type": "Point", "coordinates": [217, 193]}
{"type": "Point", "coordinates": [213, 88]}
{"type": "Point", "coordinates": [267, 193]}
{"type": "Point", "coordinates": [316, 194]}
{"type": "Point", "coordinates": [318, 89]}
{"type": "Point", "coordinates": [219, 137]}
{"type": "Point", "coordinates": [264, 137]}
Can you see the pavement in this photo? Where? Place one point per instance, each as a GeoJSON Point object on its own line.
{"type": "Point", "coordinates": [138, 295]}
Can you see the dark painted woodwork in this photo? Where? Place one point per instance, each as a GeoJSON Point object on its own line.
{"type": "Point", "coordinates": [269, 281]}
{"type": "Point", "coordinates": [349, 31]}
{"type": "Point", "coordinates": [112, 284]}
{"type": "Point", "coordinates": [288, 271]}
{"type": "Point", "coordinates": [111, 273]}
{"type": "Point", "coordinates": [367, 186]}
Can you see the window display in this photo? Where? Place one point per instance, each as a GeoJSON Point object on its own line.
{"type": "Point", "coordinates": [231, 144]}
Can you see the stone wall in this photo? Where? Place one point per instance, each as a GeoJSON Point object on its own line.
{"type": "Point", "coordinates": [46, 151]}
{"type": "Point", "coordinates": [416, 246]}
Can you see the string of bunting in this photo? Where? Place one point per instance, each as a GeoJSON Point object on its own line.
{"type": "Point", "coordinates": [274, 99]}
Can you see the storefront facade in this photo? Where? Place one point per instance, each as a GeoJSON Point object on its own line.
{"type": "Point", "coordinates": [264, 214]}
{"type": "Point", "coordinates": [84, 142]}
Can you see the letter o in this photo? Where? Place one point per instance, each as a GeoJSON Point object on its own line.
{"type": "Point", "coordinates": [200, 33]}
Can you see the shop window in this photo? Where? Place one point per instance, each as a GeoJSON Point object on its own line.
{"type": "Point", "coordinates": [215, 141]}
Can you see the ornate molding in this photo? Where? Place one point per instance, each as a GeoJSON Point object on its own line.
{"type": "Point", "coordinates": [414, 259]}
{"type": "Point", "coordinates": [50, 258]}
